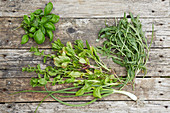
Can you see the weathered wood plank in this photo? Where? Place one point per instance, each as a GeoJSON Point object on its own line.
{"type": "Point", "coordinates": [145, 89]}
{"type": "Point", "coordinates": [97, 107]}
{"type": "Point", "coordinates": [85, 29]}
{"type": "Point", "coordinates": [88, 8]}
{"type": "Point", "coordinates": [12, 60]}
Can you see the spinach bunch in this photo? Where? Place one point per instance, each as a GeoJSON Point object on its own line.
{"type": "Point", "coordinates": [39, 25]}
{"type": "Point", "coordinates": [127, 45]}
{"type": "Point", "coordinates": [81, 68]}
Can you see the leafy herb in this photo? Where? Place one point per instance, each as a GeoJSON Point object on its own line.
{"type": "Point", "coordinates": [127, 45]}
{"type": "Point", "coordinates": [74, 66]}
{"type": "Point", "coordinates": [39, 24]}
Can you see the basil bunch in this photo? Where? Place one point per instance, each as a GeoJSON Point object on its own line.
{"type": "Point", "coordinates": [39, 25]}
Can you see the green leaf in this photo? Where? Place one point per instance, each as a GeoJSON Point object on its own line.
{"type": "Point", "coordinates": [86, 87]}
{"type": "Point", "coordinates": [35, 22]}
{"type": "Point", "coordinates": [48, 8]}
{"type": "Point", "coordinates": [42, 81]}
{"type": "Point", "coordinates": [39, 37]}
{"type": "Point", "coordinates": [42, 29]}
{"type": "Point", "coordinates": [57, 45]}
{"type": "Point", "coordinates": [32, 30]}
{"type": "Point", "coordinates": [49, 17]}
{"type": "Point", "coordinates": [61, 59]}
{"type": "Point", "coordinates": [82, 60]}
{"type": "Point", "coordinates": [51, 73]}
{"type": "Point", "coordinates": [50, 34]}
{"type": "Point", "coordinates": [55, 18]}
{"type": "Point", "coordinates": [34, 82]}
{"type": "Point", "coordinates": [37, 53]}
{"type": "Point", "coordinates": [45, 58]}
{"type": "Point", "coordinates": [32, 17]}
{"type": "Point", "coordinates": [97, 93]}
{"type": "Point", "coordinates": [80, 92]}
{"type": "Point", "coordinates": [26, 19]}
{"type": "Point", "coordinates": [25, 39]}
{"type": "Point", "coordinates": [43, 20]}
{"type": "Point", "coordinates": [49, 26]}
{"type": "Point", "coordinates": [87, 44]}
{"type": "Point", "coordinates": [75, 74]}
{"type": "Point", "coordinates": [38, 11]}
{"type": "Point", "coordinates": [30, 35]}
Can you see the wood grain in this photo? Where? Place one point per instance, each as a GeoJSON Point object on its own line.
{"type": "Point", "coordinates": [88, 8]}
{"type": "Point", "coordinates": [145, 89]}
{"type": "Point", "coordinates": [85, 29]}
{"type": "Point", "coordinates": [97, 107]}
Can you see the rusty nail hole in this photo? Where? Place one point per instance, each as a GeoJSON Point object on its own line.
{"type": "Point", "coordinates": [161, 94]}
{"type": "Point", "coordinates": [4, 55]}
{"type": "Point", "coordinates": [7, 40]}
{"type": "Point", "coordinates": [159, 81]}
{"type": "Point", "coordinates": [159, 71]}
{"type": "Point", "coordinates": [153, 11]}
{"type": "Point", "coordinates": [128, 16]}
{"type": "Point", "coordinates": [9, 106]}
{"type": "Point", "coordinates": [161, 40]}
{"type": "Point", "coordinates": [71, 30]}
{"type": "Point", "coordinates": [161, 56]}
{"type": "Point", "coordinates": [9, 20]}
{"type": "Point", "coordinates": [4, 89]}
{"type": "Point", "coordinates": [166, 106]}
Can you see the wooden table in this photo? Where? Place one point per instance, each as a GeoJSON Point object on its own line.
{"type": "Point", "coordinates": [82, 19]}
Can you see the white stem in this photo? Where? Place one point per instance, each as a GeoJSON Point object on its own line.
{"type": "Point", "coordinates": [132, 96]}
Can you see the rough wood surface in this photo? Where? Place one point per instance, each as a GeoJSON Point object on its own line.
{"type": "Point", "coordinates": [85, 29]}
{"type": "Point", "coordinates": [145, 89]}
{"type": "Point", "coordinates": [12, 60]}
{"type": "Point", "coordinates": [88, 8]}
{"type": "Point", "coordinates": [97, 107]}
{"type": "Point", "coordinates": [82, 19]}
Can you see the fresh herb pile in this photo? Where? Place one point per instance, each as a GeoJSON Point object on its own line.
{"type": "Point", "coordinates": [39, 25]}
{"type": "Point", "coordinates": [74, 67]}
{"type": "Point", "coordinates": [127, 45]}
{"type": "Point", "coordinates": [79, 65]}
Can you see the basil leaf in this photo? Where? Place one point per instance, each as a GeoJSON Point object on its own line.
{"type": "Point", "coordinates": [39, 37]}
{"type": "Point", "coordinates": [50, 34]}
{"type": "Point", "coordinates": [35, 22]}
{"type": "Point", "coordinates": [96, 92]}
{"type": "Point", "coordinates": [49, 26]}
{"type": "Point", "coordinates": [48, 8]}
{"type": "Point", "coordinates": [26, 19]}
{"type": "Point", "coordinates": [32, 17]}
{"type": "Point", "coordinates": [55, 18]}
{"type": "Point", "coordinates": [42, 29]}
{"type": "Point", "coordinates": [43, 20]}
{"type": "Point", "coordinates": [30, 35]}
{"type": "Point", "coordinates": [25, 39]}
{"type": "Point", "coordinates": [32, 30]}
{"type": "Point", "coordinates": [38, 11]}
{"type": "Point", "coordinates": [49, 17]}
